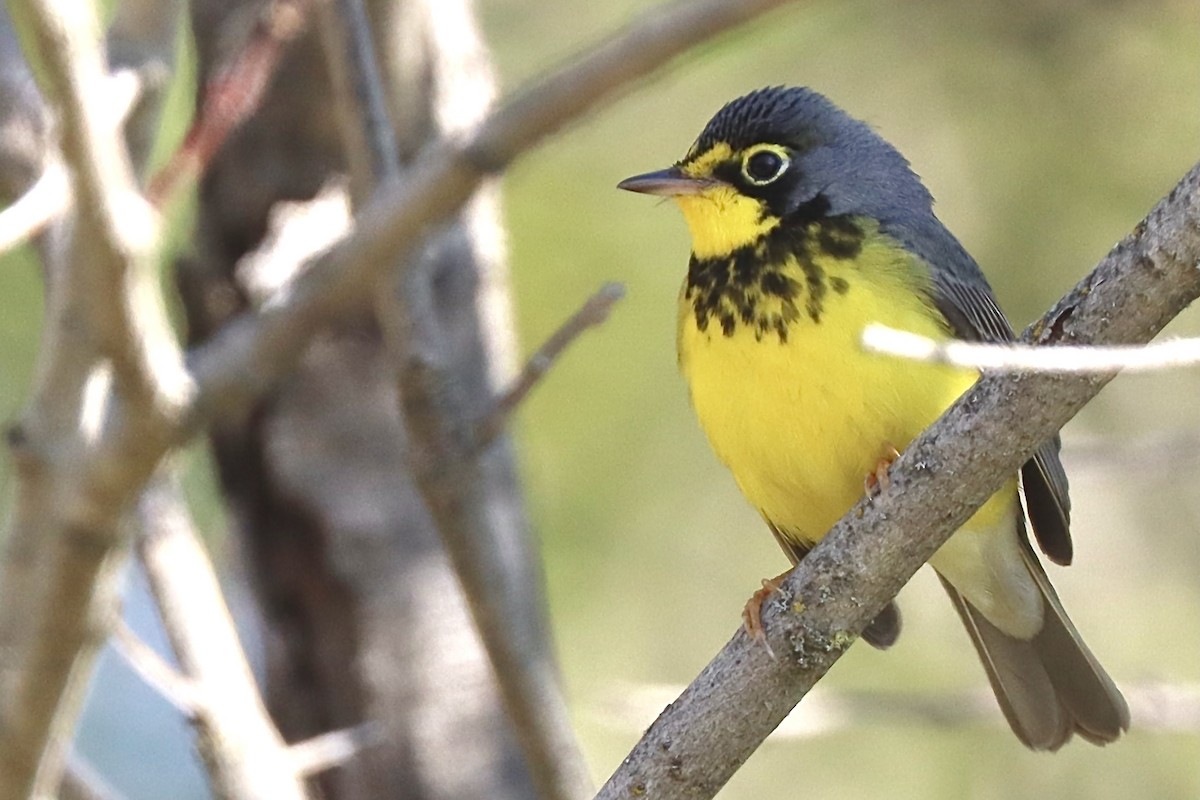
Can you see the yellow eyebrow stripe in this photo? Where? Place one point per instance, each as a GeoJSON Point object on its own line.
{"type": "Point", "coordinates": [703, 165]}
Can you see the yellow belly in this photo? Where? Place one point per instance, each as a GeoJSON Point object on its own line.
{"type": "Point", "coordinates": [802, 419]}
{"type": "Point", "coordinates": [802, 423]}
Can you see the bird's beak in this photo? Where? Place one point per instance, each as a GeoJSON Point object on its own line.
{"type": "Point", "coordinates": [670, 182]}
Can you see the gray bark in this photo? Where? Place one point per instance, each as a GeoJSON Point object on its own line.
{"type": "Point", "coordinates": [364, 619]}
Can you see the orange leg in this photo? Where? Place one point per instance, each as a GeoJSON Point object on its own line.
{"type": "Point", "coordinates": [752, 613]}
{"type": "Point", "coordinates": [879, 480]}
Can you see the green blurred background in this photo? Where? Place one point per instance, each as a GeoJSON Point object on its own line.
{"type": "Point", "coordinates": [1046, 130]}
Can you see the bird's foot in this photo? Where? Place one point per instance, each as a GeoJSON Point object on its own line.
{"type": "Point", "coordinates": [752, 613]}
{"type": "Point", "coordinates": [880, 479]}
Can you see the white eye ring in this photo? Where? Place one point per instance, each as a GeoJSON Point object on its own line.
{"type": "Point", "coordinates": [765, 165]}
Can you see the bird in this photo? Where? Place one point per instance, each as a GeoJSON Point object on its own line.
{"type": "Point", "coordinates": [806, 226]}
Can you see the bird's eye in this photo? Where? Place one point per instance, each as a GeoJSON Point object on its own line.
{"type": "Point", "coordinates": [764, 166]}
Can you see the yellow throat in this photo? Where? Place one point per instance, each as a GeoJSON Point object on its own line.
{"type": "Point", "coordinates": [770, 321]}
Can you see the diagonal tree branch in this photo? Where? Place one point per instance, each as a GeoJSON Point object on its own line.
{"type": "Point", "coordinates": [476, 523]}
{"type": "Point", "coordinates": [251, 354]}
{"type": "Point", "coordinates": [472, 496]}
{"type": "Point", "coordinates": [243, 753]}
{"type": "Point", "coordinates": [593, 312]}
{"type": "Point", "coordinates": [702, 738]}
{"type": "Point", "coordinates": [32, 212]}
{"type": "Point", "coordinates": [106, 341]}
{"type": "Point", "coordinates": [154, 670]}
{"type": "Point", "coordinates": [231, 98]}
{"type": "Point", "coordinates": [111, 396]}
{"type": "Point", "coordinates": [114, 223]}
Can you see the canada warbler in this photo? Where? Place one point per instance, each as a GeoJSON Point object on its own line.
{"type": "Point", "coordinates": [806, 226]}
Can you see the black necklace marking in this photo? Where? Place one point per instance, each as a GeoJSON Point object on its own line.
{"type": "Point", "coordinates": [728, 289]}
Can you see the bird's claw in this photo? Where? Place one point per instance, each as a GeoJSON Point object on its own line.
{"type": "Point", "coordinates": [879, 480]}
{"type": "Point", "coordinates": [752, 613]}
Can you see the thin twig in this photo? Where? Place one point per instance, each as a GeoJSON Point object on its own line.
{"type": "Point", "coordinates": [50, 196]}
{"type": "Point", "coordinates": [104, 311]}
{"type": "Point", "coordinates": [697, 743]}
{"type": "Point", "coordinates": [244, 754]}
{"type": "Point", "coordinates": [251, 353]}
{"type": "Point", "coordinates": [81, 781]}
{"type": "Point", "coordinates": [48, 608]}
{"type": "Point", "coordinates": [411, 322]}
{"type": "Point", "coordinates": [175, 687]}
{"type": "Point", "coordinates": [332, 749]}
{"type": "Point", "coordinates": [592, 313]}
{"type": "Point", "coordinates": [367, 90]}
{"type": "Point", "coordinates": [30, 213]}
{"type": "Point", "coordinates": [1031, 358]}
{"type": "Point", "coordinates": [232, 96]}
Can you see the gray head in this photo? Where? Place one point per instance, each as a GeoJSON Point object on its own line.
{"type": "Point", "coordinates": [833, 155]}
{"type": "Point", "coordinates": [796, 153]}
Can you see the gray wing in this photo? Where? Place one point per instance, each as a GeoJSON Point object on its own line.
{"type": "Point", "coordinates": [973, 315]}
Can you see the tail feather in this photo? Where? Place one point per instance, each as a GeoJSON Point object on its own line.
{"type": "Point", "coordinates": [884, 629]}
{"type": "Point", "coordinates": [1023, 688]}
{"type": "Point", "coordinates": [1051, 686]}
{"type": "Point", "coordinates": [1089, 695]}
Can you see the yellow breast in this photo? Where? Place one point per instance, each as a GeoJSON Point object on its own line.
{"type": "Point", "coordinates": [801, 419]}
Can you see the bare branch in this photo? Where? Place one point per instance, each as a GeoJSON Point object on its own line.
{"type": "Point", "coordinates": [50, 195]}
{"type": "Point", "coordinates": [82, 782]}
{"type": "Point", "coordinates": [60, 571]}
{"type": "Point", "coordinates": [251, 353]}
{"type": "Point", "coordinates": [106, 341]}
{"type": "Point", "coordinates": [592, 313]}
{"type": "Point", "coordinates": [479, 541]}
{"type": "Point", "coordinates": [176, 688]}
{"type": "Point", "coordinates": [119, 228]}
{"type": "Point", "coordinates": [232, 97]}
{"type": "Point", "coordinates": [47, 199]}
{"type": "Point", "coordinates": [331, 749]}
{"type": "Point", "coordinates": [937, 483]}
{"type": "Point", "coordinates": [116, 230]}
{"type": "Point", "coordinates": [244, 754]}
{"type": "Point", "coordinates": [367, 132]}
{"type": "Point", "coordinates": [1029, 358]}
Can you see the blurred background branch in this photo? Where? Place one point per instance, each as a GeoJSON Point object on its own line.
{"type": "Point", "coordinates": [593, 312]}
{"type": "Point", "coordinates": [242, 751]}
{"type": "Point", "coordinates": [233, 90]}
{"type": "Point", "coordinates": [451, 480]}
{"type": "Point", "coordinates": [33, 211]}
{"type": "Point", "coordinates": [106, 337]}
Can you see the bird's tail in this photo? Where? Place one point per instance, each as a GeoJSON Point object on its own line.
{"type": "Point", "coordinates": [1051, 686]}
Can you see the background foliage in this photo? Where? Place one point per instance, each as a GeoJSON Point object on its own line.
{"type": "Point", "coordinates": [1046, 130]}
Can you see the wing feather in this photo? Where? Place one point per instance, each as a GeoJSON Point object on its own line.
{"type": "Point", "coordinates": [973, 315]}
